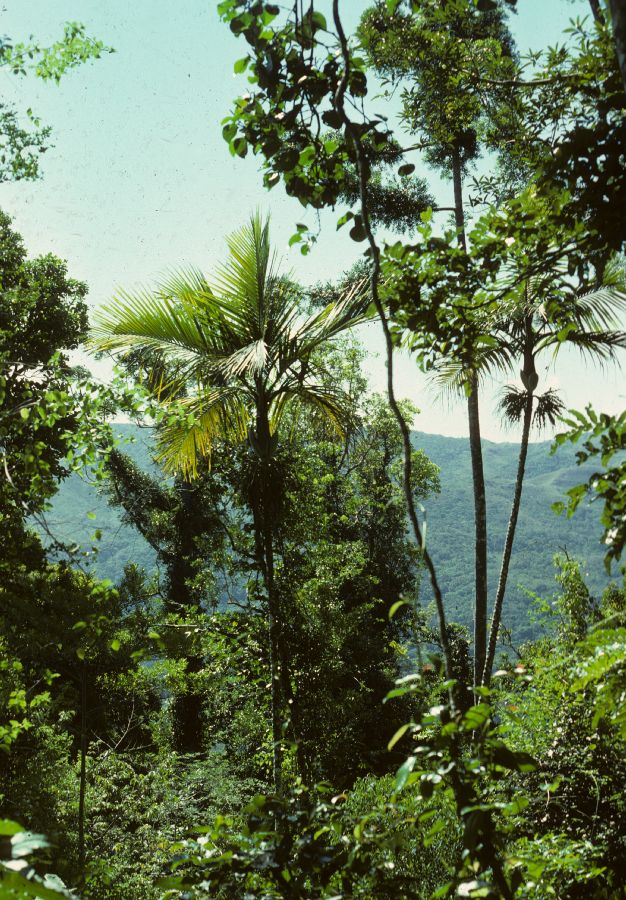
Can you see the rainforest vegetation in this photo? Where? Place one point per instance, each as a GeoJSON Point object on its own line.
{"type": "Point", "coordinates": [287, 655]}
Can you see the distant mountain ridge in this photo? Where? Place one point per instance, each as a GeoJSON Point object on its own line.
{"type": "Point", "coordinates": [450, 523]}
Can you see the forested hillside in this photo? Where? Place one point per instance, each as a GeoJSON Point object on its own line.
{"type": "Point", "coordinates": [449, 516]}
{"type": "Point", "coordinates": [268, 642]}
{"type": "Point", "coordinates": [540, 533]}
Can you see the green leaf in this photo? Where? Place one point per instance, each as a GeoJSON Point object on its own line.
{"type": "Point", "coordinates": [399, 734]}
{"type": "Point", "coordinates": [318, 20]}
{"type": "Point", "coordinates": [16, 886]}
{"type": "Point", "coordinates": [396, 606]}
{"type": "Point", "coordinates": [239, 147]}
{"type": "Point", "coordinates": [332, 118]}
{"type": "Point", "coordinates": [517, 762]}
{"type": "Point", "coordinates": [115, 644]}
{"type": "Point", "coordinates": [404, 771]}
{"type": "Point", "coordinates": [476, 716]}
{"type": "Point", "coordinates": [343, 219]}
{"type": "Point", "coordinates": [241, 65]}
{"type": "Point", "coordinates": [406, 169]}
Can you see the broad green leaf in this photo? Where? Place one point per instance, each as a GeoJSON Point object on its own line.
{"type": "Point", "coordinates": [404, 771]}
{"type": "Point", "coordinates": [393, 609]}
{"type": "Point", "coordinates": [399, 734]}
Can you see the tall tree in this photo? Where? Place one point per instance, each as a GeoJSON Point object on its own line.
{"type": "Point", "coordinates": [432, 53]}
{"type": "Point", "coordinates": [591, 323]}
{"type": "Point", "coordinates": [244, 355]}
{"type": "Point", "coordinates": [538, 315]}
{"type": "Point", "coordinates": [43, 315]}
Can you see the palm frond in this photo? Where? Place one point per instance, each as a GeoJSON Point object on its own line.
{"type": "Point", "coordinates": [333, 405]}
{"type": "Point", "coordinates": [350, 310]}
{"type": "Point", "coordinates": [151, 320]}
{"type": "Point", "coordinates": [450, 375]}
{"type": "Point", "coordinates": [598, 346]}
{"type": "Point", "coordinates": [195, 424]}
{"type": "Point", "coordinates": [601, 308]}
{"type": "Point", "coordinates": [449, 379]}
{"type": "Point", "coordinates": [247, 279]}
{"type": "Point", "coordinates": [250, 358]}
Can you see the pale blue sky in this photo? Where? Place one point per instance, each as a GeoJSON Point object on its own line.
{"type": "Point", "coordinates": [140, 180]}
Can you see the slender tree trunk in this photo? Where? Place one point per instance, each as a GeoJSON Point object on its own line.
{"type": "Point", "coordinates": [294, 722]}
{"type": "Point", "coordinates": [618, 20]}
{"type": "Point", "coordinates": [508, 543]}
{"type": "Point", "coordinates": [275, 663]}
{"type": "Point", "coordinates": [478, 476]}
{"type": "Point", "coordinates": [83, 772]}
{"type": "Point", "coordinates": [282, 695]}
{"type": "Point", "coordinates": [480, 529]}
{"type": "Point", "coordinates": [363, 170]}
{"type": "Point", "coordinates": [188, 704]}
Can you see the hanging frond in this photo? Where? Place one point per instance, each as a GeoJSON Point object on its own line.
{"type": "Point", "coordinates": [549, 408]}
{"type": "Point", "coordinates": [195, 424]}
{"type": "Point", "coordinates": [332, 405]}
{"type": "Point", "coordinates": [451, 375]}
{"type": "Point", "coordinates": [598, 346]}
{"type": "Point", "coordinates": [512, 403]}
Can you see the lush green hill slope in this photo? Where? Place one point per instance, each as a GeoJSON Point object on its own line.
{"type": "Point", "coordinates": [450, 523]}
{"type": "Point", "coordinates": [540, 533]}
{"type": "Point", "coordinates": [78, 510]}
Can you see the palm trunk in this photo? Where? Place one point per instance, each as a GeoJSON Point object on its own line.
{"type": "Point", "coordinates": [188, 704]}
{"type": "Point", "coordinates": [480, 529]}
{"type": "Point", "coordinates": [282, 696]}
{"type": "Point", "coordinates": [276, 692]}
{"type": "Point", "coordinates": [478, 476]}
{"type": "Point", "coordinates": [265, 552]}
{"type": "Point", "coordinates": [508, 544]}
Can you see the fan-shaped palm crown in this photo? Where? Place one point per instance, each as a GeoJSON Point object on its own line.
{"type": "Point", "coordinates": [237, 351]}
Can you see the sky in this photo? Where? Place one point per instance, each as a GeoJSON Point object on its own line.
{"type": "Point", "coordinates": [139, 179]}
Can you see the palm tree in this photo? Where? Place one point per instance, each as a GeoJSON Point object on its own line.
{"type": "Point", "coordinates": [242, 355]}
{"type": "Point", "coordinates": [539, 315]}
